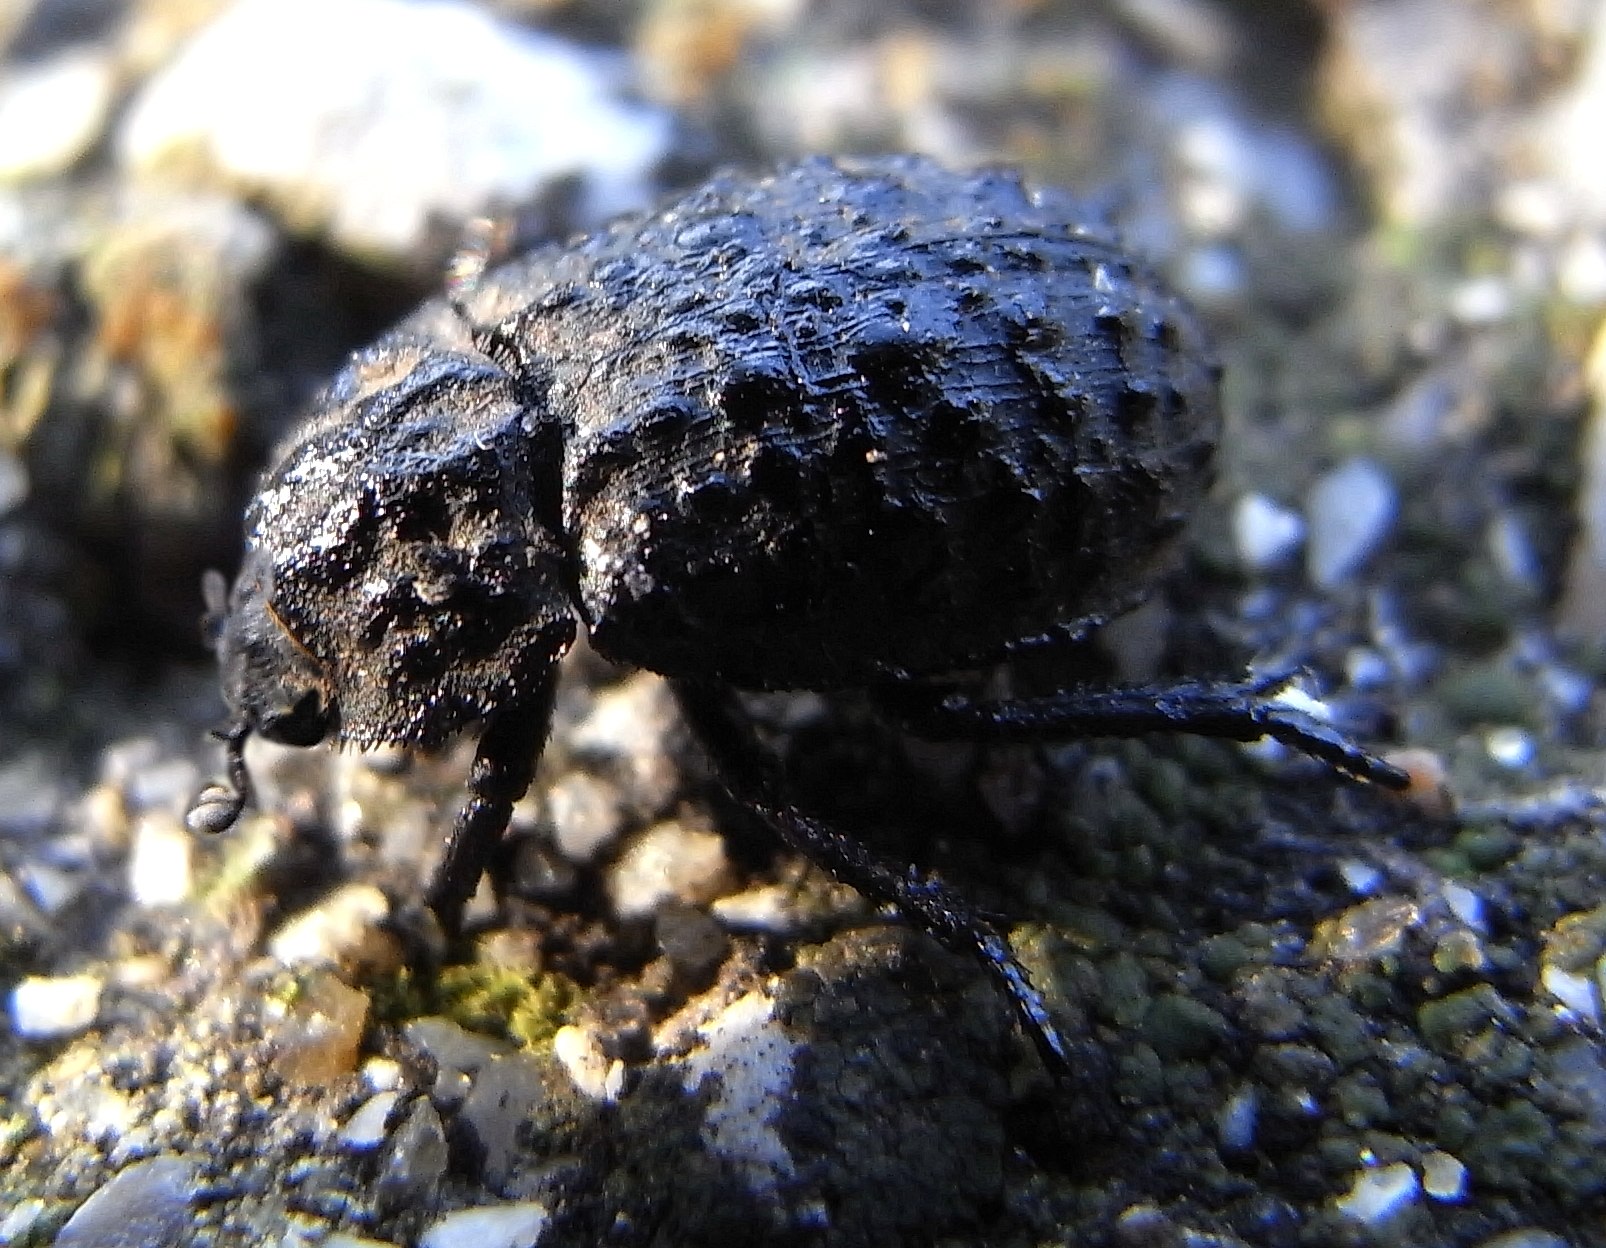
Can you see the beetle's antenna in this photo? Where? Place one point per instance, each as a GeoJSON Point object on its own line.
{"type": "Point", "coordinates": [217, 807]}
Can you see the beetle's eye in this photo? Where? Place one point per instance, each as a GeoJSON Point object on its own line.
{"type": "Point", "coordinates": [306, 722]}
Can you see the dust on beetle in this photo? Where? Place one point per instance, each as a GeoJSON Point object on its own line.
{"type": "Point", "coordinates": [850, 426]}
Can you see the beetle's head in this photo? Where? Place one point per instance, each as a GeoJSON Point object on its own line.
{"type": "Point", "coordinates": [403, 574]}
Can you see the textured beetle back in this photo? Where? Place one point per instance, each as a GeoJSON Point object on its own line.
{"type": "Point", "coordinates": [842, 423]}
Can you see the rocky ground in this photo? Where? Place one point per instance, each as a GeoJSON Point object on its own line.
{"type": "Point", "coordinates": [1331, 1016]}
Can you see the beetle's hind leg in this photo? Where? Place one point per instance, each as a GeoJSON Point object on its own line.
{"type": "Point", "coordinates": [753, 776]}
{"type": "Point", "coordinates": [1235, 711]}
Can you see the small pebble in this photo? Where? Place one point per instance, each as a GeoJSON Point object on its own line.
{"type": "Point", "coordinates": [47, 1008]}
{"type": "Point", "coordinates": [1379, 1194]}
{"type": "Point", "coordinates": [1266, 534]}
{"type": "Point", "coordinates": [668, 861]}
{"type": "Point", "coordinates": [751, 1057]}
{"type": "Point", "coordinates": [1237, 1120]}
{"type": "Point", "coordinates": [1444, 1178]}
{"type": "Point", "coordinates": [768, 908]}
{"type": "Point", "coordinates": [1429, 788]}
{"type": "Point", "coordinates": [1351, 511]}
{"type": "Point", "coordinates": [585, 814]}
{"type": "Point", "coordinates": [1510, 747]}
{"type": "Point", "coordinates": [692, 941]}
{"type": "Point", "coordinates": [587, 1064]}
{"type": "Point", "coordinates": [1575, 991]}
{"type": "Point", "coordinates": [519, 1225]}
{"type": "Point", "coordinates": [159, 861]}
{"type": "Point", "coordinates": [1465, 904]}
{"type": "Point", "coordinates": [144, 1204]}
{"type": "Point", "coordinates": [1361, 878]}
{"type": "Point", "coordinates": [365, 1130]}
{"type": "Point", "coordinates": [382, 1074]}
{"type": "Point", "coordinates": [51, 112]}
{"type": "Point", "coordinates": [318, 1038]}
{"type": "Point", "coordinates": [415, 1163]}
{"type": "Point", "coordinates": [343, 927]}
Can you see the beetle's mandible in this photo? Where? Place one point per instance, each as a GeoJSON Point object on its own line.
{"type": "Point", "coordinates": [853, 425]}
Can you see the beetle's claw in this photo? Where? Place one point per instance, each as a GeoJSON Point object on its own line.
{"type": "Point", "coordinates": [217, 807]}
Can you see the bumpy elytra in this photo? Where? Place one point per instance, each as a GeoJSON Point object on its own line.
{"type": "Point", "coordinates": [847, 426]}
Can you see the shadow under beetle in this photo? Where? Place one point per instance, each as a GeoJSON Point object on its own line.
{"type": "Point", "coordinates": [851, 426]}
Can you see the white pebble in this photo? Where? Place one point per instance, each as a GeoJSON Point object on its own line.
{"type": "Point", "coordinates": [51, 112]}
{"type": "Point", "coordinates": [769, 908]}
{"type": "Point", "coordinates": [1465, 904]}
{"type": "Point", "coordinates": [159, 862]}
{"type": "Point", "coordinates": [1510, 747]}
{"type": "Point", "coordinates": [1379, 1194]}
{"type": "Point", "coordinates": [1266, 533]}
{"type": "Point", "coordinates": [366, 1128]}
{"type": "Point", "coordinates": [518, 1225]}
{"type": "Point", "coordinates": [1361, 878]}
{"type": "Point", "coordinates": [1575, 991]}
{"type": "Point", "coordinates": [587, 1064]}
{"type": "Point", "coordinates": [751, 1056]}
{"type": "Point", "coordinates": [371, 119]}
{"type": "Point", "coordinates": [1351, 511]}
{"type": "Point", "coordinates": [337, 928]}
{"type": "Point", "coordinates": [585, 815]}
{"type": "Point", "coordinates": [1444, 1178]}
{"type": "Point", "coordinates": [668, 861]}
{"type": "Point", "coordinates": [382, 1074]}
{"type": "Point", "coordinates": [47, 1008]}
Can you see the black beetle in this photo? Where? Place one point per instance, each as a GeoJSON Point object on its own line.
{"type": "Point", "coordinates": [850, 426]}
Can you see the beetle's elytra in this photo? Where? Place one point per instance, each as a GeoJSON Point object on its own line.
{"type": "Point", "coordinates": [847, 426]}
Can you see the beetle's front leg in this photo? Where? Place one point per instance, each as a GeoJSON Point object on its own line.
{"type": "Point", "coordinates": [504, 764]}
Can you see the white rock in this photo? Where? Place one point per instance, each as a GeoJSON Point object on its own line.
{"type": "Point", "coordinates": [518, 1225]}
{"type": "Point", "coordinates": [52, 111]}
{"type": "Point", "coordinates": [382, 1074]}
{"type": "Point", "coordinates": [752, 1055]}
{"type": "Point", "coordinates": [45, 1008]}
{"type": "Point", "coordinates": [769, 908]}
{"type": "Point", "coordinates": [1379, 1194]}
{"type": "Point", "coordinates": [667, 861]}
{"type": "Point", "coordinates": [159, 862]}
{"type": "Point", "coordinates": [1510, 747]}
{"type": "Point", "coordinates": [365, 1130]}
{"type": "Point", "coordinates": [336, 928]}
{"type": "Point", "coordinates": [1574, 990]}
{"type": "Point", "coordinates": [1444, 1177]}
{"type": "Point", "coordinates": [1266, 534]}
{"type": "Point", "coordinates": [1351, 510]}
{"type": "Point", "coordinates": [1465, 904]}
{"type": "Point", "coordinates": [368, 118]}
{"type": "Point", "coordinates": [585, 815]}
{"type": "Point", "coordinates": [593, 1073]}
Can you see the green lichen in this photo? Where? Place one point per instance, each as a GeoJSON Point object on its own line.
{"type": "Point", "coordinates": [497, 1001]}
